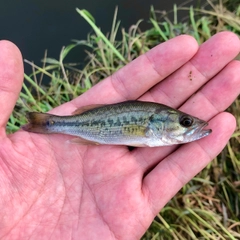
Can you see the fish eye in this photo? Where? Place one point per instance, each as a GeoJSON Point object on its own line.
{"type": "Point", "coordinates": [186, 121]}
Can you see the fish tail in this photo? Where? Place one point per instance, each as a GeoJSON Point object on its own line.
{"type": "Point", "coordinates": [38, 122]}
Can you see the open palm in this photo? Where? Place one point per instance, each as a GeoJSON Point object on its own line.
{"type": "Point", "coordinates": [51, 189]}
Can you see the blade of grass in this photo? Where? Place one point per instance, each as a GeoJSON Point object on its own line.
{"type": "Point", "coordinates": [85, 15]}
{"type": "Point", "coordinates": [37, 87]}
{"type": "Point", "coordinates": [194, 26]}
{"type": "Point", "coordinates": [158, 29]}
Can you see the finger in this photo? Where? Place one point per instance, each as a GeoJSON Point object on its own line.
{"type": "Point", "coordinates": [140, 75]}
{"type": "Point", "coordinates": [11, 78]}
{"type": "Point", "coordinates": [200, 105]}
{"type": "Point", "coordinates": [163, 182]}
{"type": "Point", "coordinates": [212, 56]}
{"type": "Point", "coordinates": [214, 97]}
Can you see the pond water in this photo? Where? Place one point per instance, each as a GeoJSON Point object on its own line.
{"type": "Point", "coordinates": [36, 25]}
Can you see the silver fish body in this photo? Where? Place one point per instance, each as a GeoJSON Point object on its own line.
{"type": "Point", "coordinates": [132, 123]}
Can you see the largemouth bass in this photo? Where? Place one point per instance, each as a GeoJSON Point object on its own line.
{"type": "Point", "coordinates": [131, 123]}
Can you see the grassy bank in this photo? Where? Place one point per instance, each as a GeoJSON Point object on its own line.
{"type": "Point", "coordinates": [208, 207]}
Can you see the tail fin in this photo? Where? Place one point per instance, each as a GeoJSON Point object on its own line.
{"type": "Point", "coordinates": [38, 122]}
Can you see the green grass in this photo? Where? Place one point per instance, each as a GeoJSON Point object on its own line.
{"type": "Point", "coordinates": [208, 207]}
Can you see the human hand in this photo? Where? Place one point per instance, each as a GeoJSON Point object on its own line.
{"type": "Point", "coordinates": [51, 189]}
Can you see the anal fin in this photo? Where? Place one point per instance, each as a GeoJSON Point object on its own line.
{"type": "Point", "coordinates": [83, 141]}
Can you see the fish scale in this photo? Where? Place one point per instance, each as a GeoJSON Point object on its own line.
{"type": "Point", "coordinates": [132, 123]}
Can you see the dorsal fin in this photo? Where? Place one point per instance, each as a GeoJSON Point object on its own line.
{"type": "Point", "coordinates": [86, 108]}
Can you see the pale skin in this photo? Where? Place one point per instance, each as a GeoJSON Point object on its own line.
{"type": "Point", "coordinates": [52, 189]}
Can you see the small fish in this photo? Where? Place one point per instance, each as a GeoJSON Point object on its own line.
{"type": "Point", "coordinates": [131, 123]}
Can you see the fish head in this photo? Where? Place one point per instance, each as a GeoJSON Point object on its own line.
{"type": "Point", "coordinates": [180, 128]}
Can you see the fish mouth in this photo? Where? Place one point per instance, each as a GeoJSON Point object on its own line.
{"type": "Point", "coordinates": [204, 132]}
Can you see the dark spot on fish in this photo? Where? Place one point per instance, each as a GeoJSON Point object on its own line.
{"type": "Point", "coordinates": [64, 123]}
{"type": "Point", "coordinates": [103, 123]}
{"type": "Point", "coordinates": [140, 119]}
{"type": "Point", "coordinates": [133, 119]}
{"type": "Point", "coordinates": [85, 124]}
{"type": "Point", "coordinates": [125, 121]}
{"type": "Point", "coordinates": [117, 123]}
{"type": "Point", "coordinates": [50, 123]}
{"type": "Point", "coordinates": [95, 123]}
{"type": "Point", "coordinates": [110, 122]}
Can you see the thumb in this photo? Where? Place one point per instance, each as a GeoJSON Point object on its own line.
{"type": "Point", "coordinates": [11, 78]}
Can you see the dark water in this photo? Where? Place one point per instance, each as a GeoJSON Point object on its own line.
{"type": "Point", "coordinates": [37, 25]}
